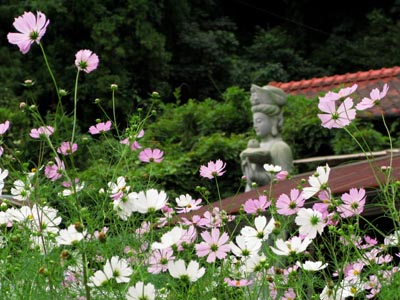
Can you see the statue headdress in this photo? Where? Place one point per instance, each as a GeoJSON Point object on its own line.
{"type": "Point", "coordinates": [267, 99]}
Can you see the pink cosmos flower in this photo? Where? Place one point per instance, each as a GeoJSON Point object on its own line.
{"type": "Point", "coordinates": [336, 117]}
{"type": "Point", "coordinates": [185, 204]}
{"type": "Point", "coordinates": [158, 260]}
{"type": "Point", "coordinates": [353, 271]}
{"type": "Point", "coordinates": [31, 29]}
{"type": "Point", "coordinates": [215, 245]}
{"type": "Point", "coordinates": [290, 205]}
{"type": "Point", "coordinates": [4, 127]}
{"type": "Point", "coordinates": [134, 144]}
{"type": "Point", "coordinates": [54, 171]}
{"type": "Point", "coordinates": [282, 175]}
{"type": "Point", "coordinates": [344, 92]}
{"type": "Point", "coordinates": [353, 203]}
{"type": "Point", "coordinates": [289, 294]}
{"type": "Point", "coordinates": [41, 131]}
{"type": "Point", "coordinates": [151, 155]}
{"type": "Point", "coordinates": [86, 61]}
{"type": "Point", "coordinates": [238, 283]}
{"type": "Point", "coordinates": [100, 127]}
{"type": "Point", "coordinates": [213, 169]}
{"type": "Point", "coordinates": [374, 97]}
{"type": "Point", "coordinates": [256, 206]}
{"type": "Point", "coordinates": [66, 148]}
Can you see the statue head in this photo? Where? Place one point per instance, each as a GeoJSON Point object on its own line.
{"type": "Point", "coordinates": [266, 105]}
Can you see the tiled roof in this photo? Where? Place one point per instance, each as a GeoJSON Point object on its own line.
{"type": "Point", "coordinates": [366, 81]}
{"type": "Point", "coordinates": [341, 180]}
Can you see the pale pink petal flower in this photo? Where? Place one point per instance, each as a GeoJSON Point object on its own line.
{"type": "Point", "coordinates": [344, 92]}
{"type": "Point", "coordinates": [336, 117]}
{"type": "Point", "coordinates": [215, 245]}
{"type": "Point", "coordinates": [282, 175]}
{"type": "Point", "coordinates": [4, 127]}
{"type": "Point", "coordinates": [353, 203]}
{"type": "Point", "coordinates": [31, 29]}
{"type": "Point", "coordinates": [86, 60]}
{"type": "Point", "coordinates": [289, 294]}
{"type": "Point", "coordinates": [100, 127]}
{"type": "Point", "coordinates": [41, 131]}
{"type": "Point", "coordinates": [66, 148]}
{"type": "Point", "coordinates": [54, 171]}
{"type": "Point", "coordinates": [213, 169]}
{"type": "Point", "coordinates": [290, 205]}
{"type": "Point", "coordinates": [374, 98]}
{"type": "Point", "coordinates": [238, 283]}
{"type": "Point", "coordinates": [256, 206]}
{"type": "Point", "coordinates": [151, 155]}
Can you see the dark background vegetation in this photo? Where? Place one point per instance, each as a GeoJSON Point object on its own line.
{"type": "Point", "coordinates": [201, 57]}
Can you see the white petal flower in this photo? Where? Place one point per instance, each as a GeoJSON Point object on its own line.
{"type": "Point", "coordinates": [98, 279]}
{"type": "Point", "coordinates": [310, 222]}
{"type": "Point", "coordinates": [317, 181]}
{"type": "Point", "coordinates": [3, 175]}
{"type": "Point", "coordinates": [141, 291]}
{"type": "Point", "coordinates": [245, 247]}
{"type": "Point", "coordinates": [21, 190]}
{"type": "Point", "coordinates": [261, 231]}
{"type": "Point", "coordinates": [193, 272]}
{"type": "Point", "coordinates": [69, 236]}
{"type": "Point", "coordinates": [169, 238]}
{"type": "Point", "coordinates": [118, 269]}
{"type": "Point", "coordinates": [312, 265]}
{"type": "Point", "coordinates": [272, 168]}
{"type": "Point", "coordinates": [293, 246]}
{"type": "Point", "coordinates": [151, 200]}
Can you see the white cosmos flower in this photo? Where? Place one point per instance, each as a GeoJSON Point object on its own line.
{"type": "Point", "coordinates": [141, 291]}
{"type": "Point", "coordinates": [254, 263]}
{"type": "Point", "coordinates": [71, 190]}
{"type": "Point", "coordinates": [118, 269]}
{"type": "Point", "coordinates": [151, 200]}
{"type": "Point", "coordinates": [261, 231]}
{"type": "Point", "coordinates": [312, 265]}
{"type": "Point", "coordinates": [21, 190]}
{"type": "Point", "coordinates": [99, 278]}
{"type": "Point", "coordinates": [169, 238]}
{"type": "Point", "coordinates": [69, 236]}
{"type": "Point", "coordinates": [293, 246]}
{"type": "Point", "coordinates": [329, 293]}
{"type": "Point", "coordinates": [310, 222]}
{"type": "Point", "coordinates": [317, 181]}
{"type": "Point", "coordinates": [125, 206]}
{"type": "Point", "coordinates": [3, 175]}
{"type": "Point", "coordinates": [178, 269]}
{"type": "Point", "coordinates": [272, 168]}
{"type": "Point", "coordinates": [245, 247]}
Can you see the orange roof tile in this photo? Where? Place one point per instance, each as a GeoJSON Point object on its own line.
{"type": "Point", "coordinates": [366, 80]}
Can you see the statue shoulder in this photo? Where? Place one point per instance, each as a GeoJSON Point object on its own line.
{"type": "Point", "coordinates": [280, 145]}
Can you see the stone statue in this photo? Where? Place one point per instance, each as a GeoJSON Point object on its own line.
{"type": "Point", "coordinates": [266, 105]}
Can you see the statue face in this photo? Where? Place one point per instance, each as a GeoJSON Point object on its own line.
{"type": "Point", "coordinates": [263, 124]}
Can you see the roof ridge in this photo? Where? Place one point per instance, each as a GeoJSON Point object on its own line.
{"type": "Point", "coordinates": [338, 79]}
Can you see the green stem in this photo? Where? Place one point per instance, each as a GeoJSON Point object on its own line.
{"type": "Point", "coordinates": [85, 276]}
{"type": "Point", "coordinates": [114, 113]}
{"type": "Point", "coordinates": [59, 104]}
{"type": "Point", "coordinates": [75, 107]}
